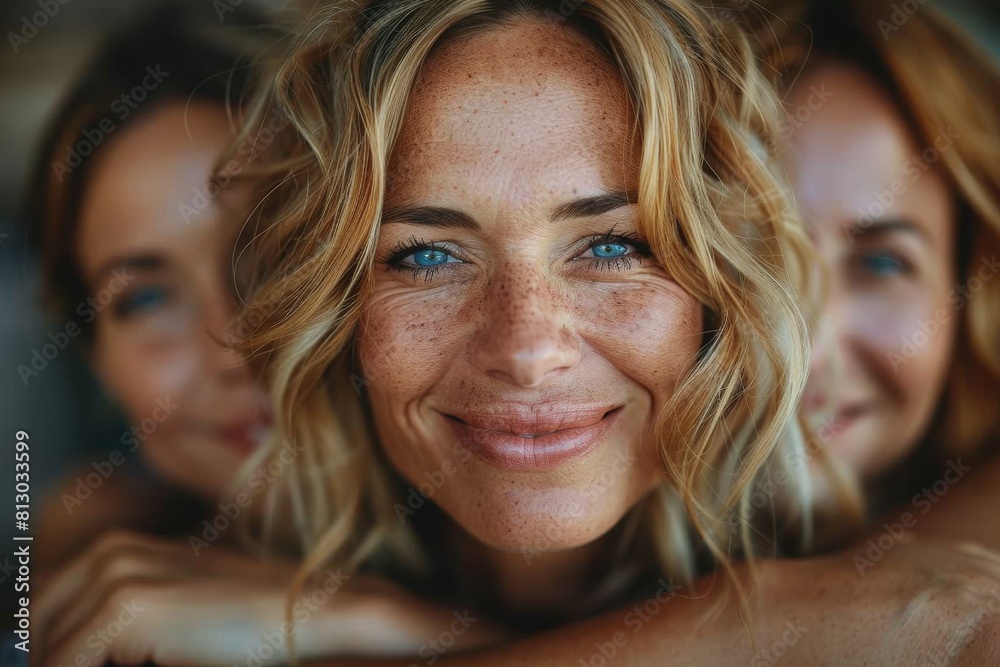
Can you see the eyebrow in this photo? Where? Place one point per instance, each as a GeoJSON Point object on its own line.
{"type": "Point", "coordinates": [148, 261]}
{"type": "Point", "coordinates": [436, 216]}
{"type": "Point", "coordinates": [886, 226]}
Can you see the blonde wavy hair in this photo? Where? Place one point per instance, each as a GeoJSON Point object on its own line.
{"type": "Point", "coordinates": [709, 206]}
{"type": "Point", "coordinates": [939, 78]}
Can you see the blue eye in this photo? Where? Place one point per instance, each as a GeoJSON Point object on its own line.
{"type": "Point", "coordinates": [610, 250]}
{"type": "Point", "coordinates": [420, 258]}
{"type": "Point", "coordinates": [882, 265]}
{"type": "Point", "coordinates": [141, 299]}
{"type": "Point", "coordinates": [430, 257]}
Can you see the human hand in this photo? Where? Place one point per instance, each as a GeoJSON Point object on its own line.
{"type": "Point", "coordinates": [131, 599]}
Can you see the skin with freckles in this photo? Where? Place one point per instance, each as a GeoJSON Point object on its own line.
{"type": "Point", "coordinates": [889, 274]}
{"type": "Point", "coordinates": [199, 410]}
{"type": "Point", "coordinates": [497, 304]}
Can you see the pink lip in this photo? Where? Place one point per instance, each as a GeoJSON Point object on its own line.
{"type": "Point", "coordinates": [842, 420]}
{"type": "Point", "coordinates": [245, 437]}
{"type": "Point", "coordinates": [561, 436]}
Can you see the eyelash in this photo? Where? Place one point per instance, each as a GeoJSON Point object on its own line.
{"type": "Point", "coordinates": [905, 268]}
{"type": "Point", "coordinates": [128, 304]}
{"type": "Point", "coordinates": [641, 249]}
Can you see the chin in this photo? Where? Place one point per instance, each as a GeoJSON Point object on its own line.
{"type": "Point", "coordinates": [540, 520]}
{"type": "Point", "coordinates": [199, 466]}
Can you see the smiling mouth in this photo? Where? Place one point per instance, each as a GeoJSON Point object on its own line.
{"type": "Point", "coordinates": [830, 427]}
{"type": "Point", "coordinates": [533, 443]}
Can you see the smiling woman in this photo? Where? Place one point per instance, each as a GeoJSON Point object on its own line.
{"type": "Point", "coordinates": [116, 238]}
{"type": "Point", "coordinates": [542, 247]}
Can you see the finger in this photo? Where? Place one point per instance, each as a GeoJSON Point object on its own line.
{"type": "Point", "coordinates": [980, 551]}
{"type": "Point", "coordinates": [168, 562]}
{"type": "Point", "coordinates": [65, 585]}
{"type": "Point", "coordinates": [109, 575]}
{"type": "Point", "coordinates": [120, 631]}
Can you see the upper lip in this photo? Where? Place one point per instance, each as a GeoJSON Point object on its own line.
{"type": "Point", "coordinates": [837, 414]}
{"type": "Point", "coordinates": [533, 420]}
{"type": "Point", "coordinates": [262, 420]}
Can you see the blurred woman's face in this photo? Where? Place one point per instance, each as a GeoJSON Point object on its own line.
{"type": "Point", "coordinates": [882, 216]}
{"type": "Point", "coordinates": [156, 253]}
{"type": "Point", "coordinates": [520, 338]}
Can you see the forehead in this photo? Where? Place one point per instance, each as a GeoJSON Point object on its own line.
{"type": "Point", "coordinates": [148, 185]}
{"type": "Point", "coordinates": [533, 96]}
{"type": "Point", "coordinates": [851, 144]}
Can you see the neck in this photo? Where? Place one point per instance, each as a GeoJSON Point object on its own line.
{"type": "Point", "coordinates": [538, 587]}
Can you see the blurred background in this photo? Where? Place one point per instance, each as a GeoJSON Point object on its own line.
{"type": "Point", "coordinates": [63, 410]}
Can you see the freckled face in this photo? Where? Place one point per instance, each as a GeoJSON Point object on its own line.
{"type": "Point", "coordinates": [888, 328]}
{"type": "Point", "coordinates": [520, 338]}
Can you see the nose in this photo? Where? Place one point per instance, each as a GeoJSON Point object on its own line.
{"type": "Point", "coordinates": [525, 336]}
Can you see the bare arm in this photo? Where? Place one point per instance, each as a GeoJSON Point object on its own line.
{"type": "Point", "coordinates": [921, 604]}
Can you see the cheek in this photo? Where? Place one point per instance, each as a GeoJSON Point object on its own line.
{"type": "Point", "coordinates": [908, 343]}
{"type": "Point", "coordinates": [138, 374]}
{"type": "Point", "coordinates": [404, 342]}
{"type": "Point", "coordinates": [649, 332]}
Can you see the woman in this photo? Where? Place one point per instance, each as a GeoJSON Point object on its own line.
{"type": "Point", "coordinates": [135, 254]}
{"type": "Point", "coordinates": [897, 172]}
{"type": "Point", "coordinates": [510, 221]}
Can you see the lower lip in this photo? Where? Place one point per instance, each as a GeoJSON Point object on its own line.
{"type": "Point", "coordinates": [545, 452]}
{"type": "Point", "coordinates": [243, 441]}
{"type": "Point", "coordinates": [839, 425]}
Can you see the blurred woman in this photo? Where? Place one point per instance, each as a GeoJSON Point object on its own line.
{"type": "Point", "coordinates": [895, 156]}
{"type": "Point", "coordinates": [137, 254]}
